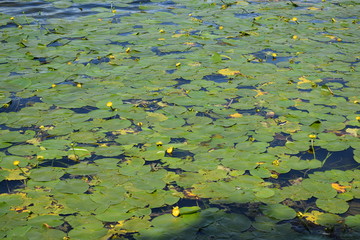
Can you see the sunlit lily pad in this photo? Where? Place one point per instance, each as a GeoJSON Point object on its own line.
{"type": "Point", "coordinates": [333, 205]}
{"type": "Point", "coordinates": [72, 186]}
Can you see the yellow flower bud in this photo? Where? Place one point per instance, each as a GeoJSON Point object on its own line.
{"type": "Point", "coordinates": [274, 55]}
{"type": "Point", "coordinates": [275, 176]}
{"type": "Point", "coordinates": [312, 136]}
{"type": "Point", "coordinates": [159, 143]}
{"type": "Point", "coordinates": [109, 104]}
{"type": "Point", "coordinates": [276, 162]}
{"type": "Point", "coordinates": [295, 37]}
{"type": "Point", "coordinates": [221, 27]}
{"type": "Point", "coordinates": [294, 19]}
{"type": "Point", "coordinates": [170, 150]}
{"type": "Point", "coordinates": [175, 211]}
{"type": "Point", "coordinates": [16, 163]}
{"type": "Point", "coordinates": [161, 31]}
{"type": "Point", "coordinates": [177, 64]}
{"type": "Point", "coordinates": [128, 50]}
{"type": "Point", "coordinates": [113, 11]}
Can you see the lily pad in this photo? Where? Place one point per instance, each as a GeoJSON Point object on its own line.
{"type": "Point", "coordinates": [279, 211]}
{"type": "Point", "coordinates": [334, 205]}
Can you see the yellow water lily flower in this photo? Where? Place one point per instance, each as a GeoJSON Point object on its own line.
{"type": "Point", "coordinates": [275, 176]}
{"type": "Point", "coordinates": [170, 150]}
{"type": "Point", "coordinates": [312, 136]}
{"type": "Point", "coordinates": [16, 163]}
{"type": "Point", "coordinates": [276, 162]}
{"type": "Point", "coordinates": [109, 104]}
{"type": "Point", "coordinates": [175, 211]}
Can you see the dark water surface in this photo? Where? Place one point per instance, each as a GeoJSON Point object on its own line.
{"type": "Point", "coordinates": [43, 11]}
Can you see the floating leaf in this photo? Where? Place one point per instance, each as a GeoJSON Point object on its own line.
{"type": "Point", "coordinates": [71, 186]}
{"type": "Point", "coordinates": [279, 211]}
{"type": "Point", "coordinates": [264, 193]}
{"type": "Point", "coordinates": [333, 205]}
{"type": "Point", "coordinates": [353, 221]}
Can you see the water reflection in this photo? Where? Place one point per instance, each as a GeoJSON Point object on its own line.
{"type": "Point", "coordinates": [42, 10]}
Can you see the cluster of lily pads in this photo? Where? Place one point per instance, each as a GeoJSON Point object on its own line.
{"type": "Point", "coordinates": [182, 119]}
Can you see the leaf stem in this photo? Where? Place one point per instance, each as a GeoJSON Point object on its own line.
{"type": "Point", "coordinates": [313, 148]}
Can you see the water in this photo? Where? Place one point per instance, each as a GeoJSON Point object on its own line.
{"type": "Point", "coordinates": [43, 11]}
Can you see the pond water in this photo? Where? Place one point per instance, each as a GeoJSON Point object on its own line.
{"type": "Point", "coordinates": [179, 119]}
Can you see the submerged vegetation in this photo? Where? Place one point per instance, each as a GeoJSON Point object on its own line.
{"type": "Point", "coordinates": [181, 119]}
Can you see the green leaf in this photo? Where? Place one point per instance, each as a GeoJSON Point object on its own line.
{"type": "Point", "coordinates": [279, 211]}
{"type": "Point", "coordinates": [334, 205]}
{"type": "Point", "coordinates": [71, 186]}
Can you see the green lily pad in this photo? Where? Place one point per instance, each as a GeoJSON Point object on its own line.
{"type": "Point", "coordinates": [334, 205]}
{"type": "Point", "coordinates": [71, 186]}
{"type": "Point", "coordinates": [46, 174]}
{"type": "Point", "coordinates": [279, 211]}
{"type": "Point", "coordinates": [24, 150]}
{"type": "Point", "coordinates": [264, 193]}
{"type": "Point", "coordinates": [353, 221]}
